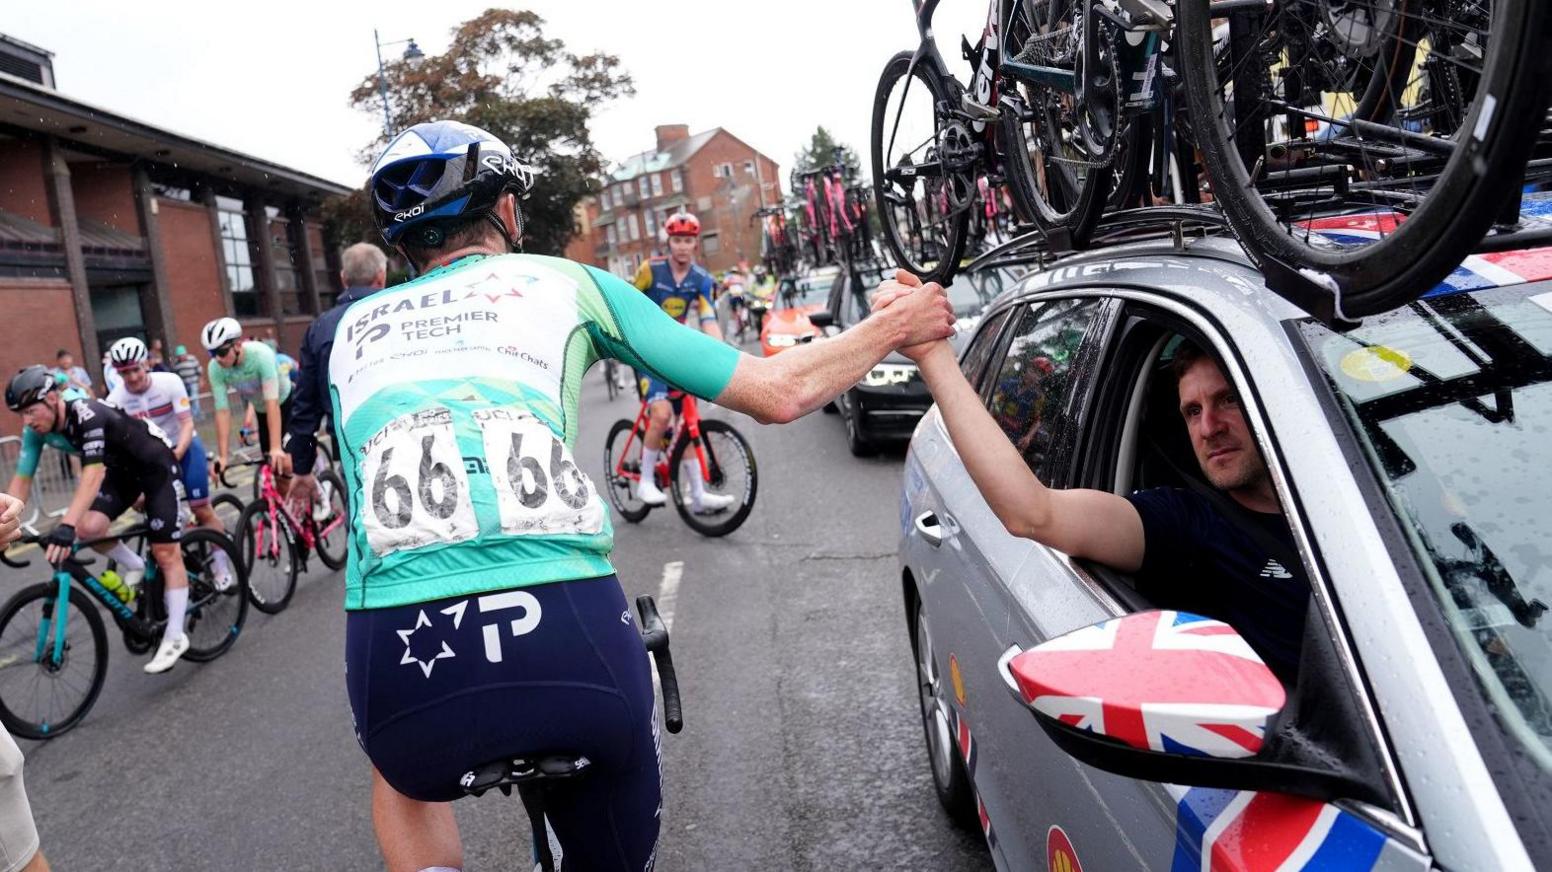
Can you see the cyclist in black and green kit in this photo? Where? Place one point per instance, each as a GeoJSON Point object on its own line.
{"type": "Point", "coordinates": [484, 618]}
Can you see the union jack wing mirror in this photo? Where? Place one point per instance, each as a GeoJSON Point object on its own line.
{"type": "Point", "coordinates": [1160, 681]}
{"type": "Point", "coordinates": [1179, 698]}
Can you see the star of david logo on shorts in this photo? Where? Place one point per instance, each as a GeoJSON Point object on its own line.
{"type": "Point", "coordinates": [409, 649]}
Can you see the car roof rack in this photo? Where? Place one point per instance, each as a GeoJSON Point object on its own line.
{"type": "Point", "coordinates": [1037, 249]}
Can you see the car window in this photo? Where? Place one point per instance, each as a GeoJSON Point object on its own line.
{"type": "Point", "coordinates": [985, 344]}
{"type": "Point", "coordinates": [809, 290]}
{"type": "Point", "coordinates": [1451, 401]}
{"type": "Point", "coordinates": [1030, 387]}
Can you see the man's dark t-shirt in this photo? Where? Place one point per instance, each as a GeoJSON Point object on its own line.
{"type": "Point", "coordinates": [1197, 559]}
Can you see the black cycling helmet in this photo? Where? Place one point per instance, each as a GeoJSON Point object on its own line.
{"type": "Point", "coordinates": [440, 172]}
{"type": "Point", "coordinates": [28, 386]}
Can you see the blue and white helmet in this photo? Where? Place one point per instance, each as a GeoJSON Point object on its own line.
{"type": "Point", "coordinates": [439, 171]}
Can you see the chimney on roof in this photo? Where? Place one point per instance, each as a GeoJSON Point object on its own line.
{"type": "Point", "coordinates": [668, 134]}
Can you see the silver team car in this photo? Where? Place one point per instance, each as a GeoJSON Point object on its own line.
{"type": "Point", "coordinates": [1083, 726]}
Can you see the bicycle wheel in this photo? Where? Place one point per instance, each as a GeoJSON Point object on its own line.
{"type": "Point", "coordinates": [733, 472]}
{"type": "Point", "coordinates": [215, 617]}
{"type": "Point", "coordinates": [41, 696]}
{"type": "Point", "coordinates": [1361, 150]}
{"type": "Point", "coordinates": [332, 534]}
{"type": "Point", "coordinates": [228, 509]}
{"type": "Point", "coordinates": [622, 488]}
{"type": "Point", "coordinates": [1059, 147]}
{"type": "Point", "coordinates": [609, 382]}
{"type": "Point", "coordinates": [269, 557]}
{"type": "Point", "coordinates": [917, 177]}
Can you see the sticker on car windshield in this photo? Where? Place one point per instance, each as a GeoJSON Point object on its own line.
{"type": "Point", "coordinates": [1376, 363]}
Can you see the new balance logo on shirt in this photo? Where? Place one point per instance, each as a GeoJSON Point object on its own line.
{"type": "Point", "coordinates": [1273, 569]}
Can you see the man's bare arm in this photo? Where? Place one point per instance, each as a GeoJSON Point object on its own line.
{"type": "Point", "coordinates": [797, 381]}
{"type": "Point", "coordinates": [1094, 524]}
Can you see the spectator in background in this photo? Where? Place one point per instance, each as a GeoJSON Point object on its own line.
{"type": "Point", "coordinates": [156, 360]}
{"type": "Point", "coordinates": [110, 376]}
{"type": "Point", "coordinates": [187, 367]}
{"type": "Point", "coordinates": [75, 376]}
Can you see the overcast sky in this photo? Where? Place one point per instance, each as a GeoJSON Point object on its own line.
{"type": "Point", "coordinates": [271, 79]}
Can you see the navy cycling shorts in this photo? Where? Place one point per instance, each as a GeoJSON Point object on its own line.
{"type": "Point", "coordinates": [195, 471]}
{"type": "Point", "coordinates": [438, 688]}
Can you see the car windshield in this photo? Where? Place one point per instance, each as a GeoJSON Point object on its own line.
{"type": "Point", "coordinates": [809, 290]}
{"type": "Point", "coordinates": [1451, 398]}
{"type": "Point", "coordinates": [970, 292]}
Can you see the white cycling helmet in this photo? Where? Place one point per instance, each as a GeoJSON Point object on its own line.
{"type": "Point", "coordinates": [127, 352]}
{"type": "Point", "coordinates": [219, 332]}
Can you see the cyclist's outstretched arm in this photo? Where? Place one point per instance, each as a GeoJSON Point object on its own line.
{"type": "Point", "coordinates": [798, 381]}
{"type": "Point", "coordinates": [778, 389]}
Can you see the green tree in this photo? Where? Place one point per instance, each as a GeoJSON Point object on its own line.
{"type": "Point", "coordinates": [502, 74]}
{"type": "Point", "coordinates": [820, 152]}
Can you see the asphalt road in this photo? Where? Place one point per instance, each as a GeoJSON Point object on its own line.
{"type": "Point", "coordinates": [802, 747]}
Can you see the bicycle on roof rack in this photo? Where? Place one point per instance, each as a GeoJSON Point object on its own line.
{"type": "Point", "coordinates": [1359, 149]}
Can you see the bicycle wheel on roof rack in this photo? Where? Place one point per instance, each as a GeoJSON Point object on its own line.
{"type": "Point", "coordinates": [1059, 146]}
{"type": "Point", "coordinates": [917, 184]}
{"type": "Point", "coordinates": [1361, 149]}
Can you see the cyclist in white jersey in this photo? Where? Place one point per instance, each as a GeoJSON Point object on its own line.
{"type": "Point", "coordinates": [162, 398]}
{"type": "Point", "coordinates": [484, 619]}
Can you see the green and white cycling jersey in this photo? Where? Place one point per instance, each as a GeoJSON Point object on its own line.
{"type": "Point", "coordinates": [456, 396]}
{"type": "Point", "coordinates": [255, 380]}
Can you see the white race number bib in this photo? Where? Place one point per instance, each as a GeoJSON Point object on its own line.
{"type": "Point", "coordinates": [539, 488]}
{"type": "Point", "coordinates": [417, 491]}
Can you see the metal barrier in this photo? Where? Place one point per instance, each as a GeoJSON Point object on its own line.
{"type": "Point", "coordinates": [52, 486]}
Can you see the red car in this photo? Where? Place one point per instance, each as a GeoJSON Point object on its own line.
{"type": "Point", "coordinates": [797, 298]}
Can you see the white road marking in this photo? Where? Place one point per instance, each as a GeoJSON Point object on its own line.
{"type": "Point", "coordinates": [668, 591]}
{"type": "Point", "coordinates": [667, 595]}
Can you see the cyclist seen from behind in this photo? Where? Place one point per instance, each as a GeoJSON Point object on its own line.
{"type": "Point", "coordinates": [680, 286]}
{"type": "Point", "coordinates": [484, 617]}
{"type": "Point", "coordinates": [249, 368]}
{"type": "Point", "coordinates": [162, 399]}
{"type": "Point", "coordinates": [122, 459]}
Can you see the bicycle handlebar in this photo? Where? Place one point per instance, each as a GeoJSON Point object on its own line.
{"type": "Point", "coordinates": [655, 636]}
{"type": "Point", "coordinates": [221, 476]}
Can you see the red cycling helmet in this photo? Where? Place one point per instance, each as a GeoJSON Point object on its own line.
{"type": "Point", "coordinates": [682, 224]}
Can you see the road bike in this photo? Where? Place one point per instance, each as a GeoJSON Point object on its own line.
{"type": "Point", "coordinates": [1361, 149]}
{"type": "Point", "coordinates": [1043, 112]}
{"type": "Point", "coordinates": [715, 451]}
{"type": "Point", "coordinates": [535, 774]}
{"type": "Point", "coordinates": [54, 645]}
{"type": "Point", "coordinates": [275, 543]}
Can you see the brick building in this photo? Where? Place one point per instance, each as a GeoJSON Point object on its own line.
{"type": "Point", "coordinates": [588, 245]}
{"type": "Point", "coordinates": [714, 174]}
{"type": "Point", "coordinates": [110, 227]}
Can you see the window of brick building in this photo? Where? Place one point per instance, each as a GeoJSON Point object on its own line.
{"type": "Point", "coordinates": [676, 178]}
{"type": "Point", "coordinates": [633, 227]}
{"type": "Point", "coordinates": [651, 224]}
{"type": "Point", "coordinates": [609, 234]}
{"type": "Point", "coordinates": [711, 243]}
{"type": "Point", "coordinates": [603, 202]}
{"type": "Point", "coordinates": [238, 256]}
{"type": "Point", "coordinates": [284, 257]}
{"type": "Point", "coordinates": [657, 184]}
{"type": "Point", "coordinates": [642, 186]}
{"type": "Point", "coordinates": [748, 167]}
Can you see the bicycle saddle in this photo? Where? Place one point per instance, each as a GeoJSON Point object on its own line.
{"type": "Point", "coordinates": [507, 771]}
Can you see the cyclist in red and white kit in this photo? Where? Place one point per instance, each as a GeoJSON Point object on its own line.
{"type": "Point", "coordinates": [162, 398]}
